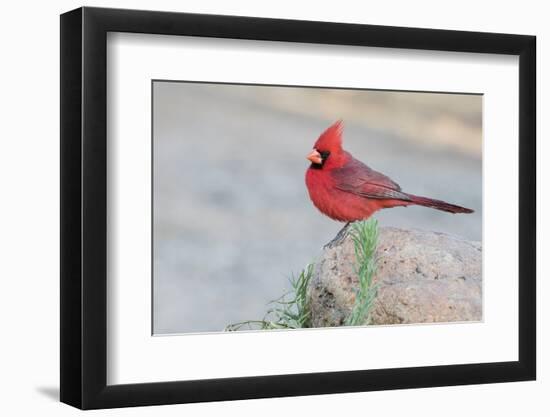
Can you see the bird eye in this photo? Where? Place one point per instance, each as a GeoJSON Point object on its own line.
{"type": "Point", "coordinates": [324, 154]}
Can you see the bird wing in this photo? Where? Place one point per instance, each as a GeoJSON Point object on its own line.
{"type": "Point", "coordinates": [357, 178]}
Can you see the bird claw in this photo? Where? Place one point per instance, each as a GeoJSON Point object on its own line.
{"type": "Point", "coordinates": [339, 238]}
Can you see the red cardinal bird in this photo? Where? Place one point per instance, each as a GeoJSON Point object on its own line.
{"type": "Point", "coordinates": [347, 190]}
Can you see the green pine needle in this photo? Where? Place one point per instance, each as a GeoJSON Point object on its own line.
{"type": "Point", "coordinates": [290, 311]}
{"type": "Point", "coordinates": [365, 239]}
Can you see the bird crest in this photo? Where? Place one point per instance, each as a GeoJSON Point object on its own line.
{"type": "Point", "coordinates": [331, 139]}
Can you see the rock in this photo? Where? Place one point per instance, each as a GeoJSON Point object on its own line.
{"type": "Point", "coordinates": [422, 277]}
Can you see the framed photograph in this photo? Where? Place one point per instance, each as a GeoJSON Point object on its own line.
{"type": "Point", "coordinates": [257, 208]}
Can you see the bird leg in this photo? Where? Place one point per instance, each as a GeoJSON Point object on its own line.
{"type": "Point", "coordinates": [340, 236]}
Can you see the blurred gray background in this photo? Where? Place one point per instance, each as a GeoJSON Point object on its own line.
{"type": "Point", "coordinates": [232, 217]}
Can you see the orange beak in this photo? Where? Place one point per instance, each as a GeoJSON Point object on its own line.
{"type": "Point", "coordinates": [315, 157]}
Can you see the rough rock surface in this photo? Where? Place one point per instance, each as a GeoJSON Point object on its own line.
{"type": "Point", "coordinates": [422, 277]}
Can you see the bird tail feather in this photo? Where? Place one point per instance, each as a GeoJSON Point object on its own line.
{"type": "Point", "coordinates": [438, 204]}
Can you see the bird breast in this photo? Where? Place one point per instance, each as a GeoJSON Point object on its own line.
{"type": "Point", "coordinates": [335, 203]}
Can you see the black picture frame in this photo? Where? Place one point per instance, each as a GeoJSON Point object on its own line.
{"type": "Point", "coordinates": [84, 207]}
